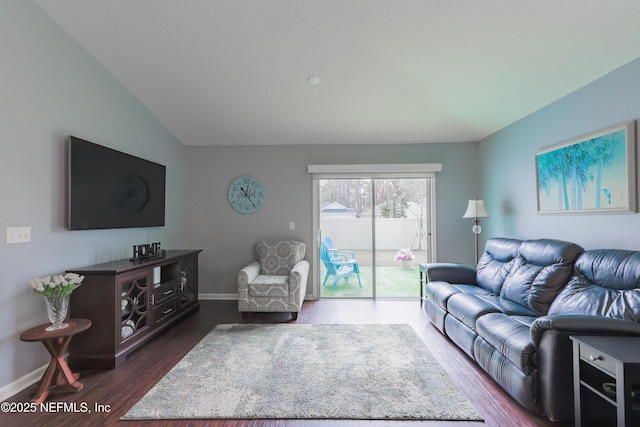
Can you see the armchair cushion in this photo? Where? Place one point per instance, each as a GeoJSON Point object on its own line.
{"type": "Point", "coordinates": [269, 286]}
{"type": "Point", "coordinates": [278, 258]}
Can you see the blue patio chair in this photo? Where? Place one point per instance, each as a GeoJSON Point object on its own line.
{"type": "Point", "coordinates": [340, 264]}
{"type": "Point", "coordinates": [344, 255]}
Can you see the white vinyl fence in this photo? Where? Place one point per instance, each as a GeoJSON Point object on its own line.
{"type": "Point", "coordinates": [391, 233]}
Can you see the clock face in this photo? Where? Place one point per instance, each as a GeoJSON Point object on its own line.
{"type": "Point", "coordinates": [246, 194]}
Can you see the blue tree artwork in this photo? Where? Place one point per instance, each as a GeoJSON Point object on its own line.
{"type": "Point", "coordinates": [591, 174]}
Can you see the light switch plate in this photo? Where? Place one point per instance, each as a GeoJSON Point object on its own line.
{"type": "Point", "coordinates": [18, 235]}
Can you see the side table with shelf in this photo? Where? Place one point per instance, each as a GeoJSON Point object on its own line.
{"type": "Point", "coordinates": [129, 303]}
{"type": "Point", "coordinates": [606, 372]}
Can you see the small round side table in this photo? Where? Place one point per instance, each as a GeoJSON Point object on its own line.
{"type": "Point", "coordinates": [58, 376]}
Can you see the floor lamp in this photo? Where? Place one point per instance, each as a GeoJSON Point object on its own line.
{"type": "Point", "coordinates": [476, 210]}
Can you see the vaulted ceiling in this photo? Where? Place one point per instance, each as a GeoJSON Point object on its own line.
{"type": "Point", "coordinates": [386, 71]}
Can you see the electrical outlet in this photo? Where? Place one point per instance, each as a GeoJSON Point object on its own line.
{"type": "Point", "coordinates": [18, 235]}
{"type": "Point", "coordinates": [292, 225]}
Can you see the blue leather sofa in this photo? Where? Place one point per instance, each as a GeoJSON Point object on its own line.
{"type": "Point", "coordinates": [513, 314]}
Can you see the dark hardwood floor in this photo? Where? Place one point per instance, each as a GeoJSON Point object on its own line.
{"type": "Point", "coordinates": [121, 388]}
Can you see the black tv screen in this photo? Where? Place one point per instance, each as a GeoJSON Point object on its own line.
{"type": "Point", "coordinates": [112, 189]}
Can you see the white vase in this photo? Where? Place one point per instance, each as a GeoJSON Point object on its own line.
{"type": "Point", "coordinates": [57, 307]}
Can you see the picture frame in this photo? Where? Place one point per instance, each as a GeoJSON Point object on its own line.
{"type": "Point", "coordinates": [595, 173]}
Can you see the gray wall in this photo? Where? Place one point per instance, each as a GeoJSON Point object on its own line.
{"type": "Point", "coordinates": [50, 88]}
{"type": "Point", "coordinates": [508, 168]}
{"type": "Point", "coordinates": [228, 238]}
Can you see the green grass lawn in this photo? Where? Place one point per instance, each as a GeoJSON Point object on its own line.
{"type": "Point", "coordinates": [391, 282]}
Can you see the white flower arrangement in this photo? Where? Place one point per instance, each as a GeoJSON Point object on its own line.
{"type": "Point", "coordinates": [57, 285]}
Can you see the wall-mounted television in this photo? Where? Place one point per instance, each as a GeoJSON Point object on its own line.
{"type": "Point", "coordinates": [111, 189]}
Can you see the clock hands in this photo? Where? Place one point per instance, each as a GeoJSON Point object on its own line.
{"type": "Point", "coordinates": [247, 196]}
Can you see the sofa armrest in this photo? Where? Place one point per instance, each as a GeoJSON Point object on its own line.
{"type": "Point", "coordinates": [554, 351]}
{"type": "Point", "coordinates": [582, 325]}
{"type": "Point", "coordinates": [452, 273]}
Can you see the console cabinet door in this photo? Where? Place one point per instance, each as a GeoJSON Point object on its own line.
{"type": "Point", "coordinates": [188, 285]}
{"type": "Point", "coordinates": [134, 304]}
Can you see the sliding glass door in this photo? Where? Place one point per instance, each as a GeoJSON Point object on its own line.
{"type": "Point", "coordinates": [347, 265]}
{"type": "Point", "coordinates": [402, 234]}
{"type": "Point", "coordinates": [373, 232]}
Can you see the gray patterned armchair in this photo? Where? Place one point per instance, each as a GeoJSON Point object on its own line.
{"type": "Point", "coordinates": [277, 282]}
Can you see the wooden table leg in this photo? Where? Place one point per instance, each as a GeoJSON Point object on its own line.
{"type": "Point", "coordinates": [58, 375]}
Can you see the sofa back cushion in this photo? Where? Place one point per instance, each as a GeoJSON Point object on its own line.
{"type": "Point", "coordinates": [278, 258]}
{"type": "Point", "coordinates": [496, 262]}
{"type": "Point", "coordinates": [606, 282]}
{"type": "Point", "coordinates": [541, 269]}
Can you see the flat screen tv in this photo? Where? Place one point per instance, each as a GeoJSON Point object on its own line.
{"type": "Point", "coordinates": [112, 189]}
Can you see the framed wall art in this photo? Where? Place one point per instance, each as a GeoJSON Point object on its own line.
{"type": "Point", "coordinates": [595, 173]}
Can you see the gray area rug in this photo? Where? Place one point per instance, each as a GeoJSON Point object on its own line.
{"type": "Point", "coordinates": [296, 371]}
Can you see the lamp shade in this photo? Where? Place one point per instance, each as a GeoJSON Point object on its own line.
{"type": "Point", "coordinates": [475, 209]}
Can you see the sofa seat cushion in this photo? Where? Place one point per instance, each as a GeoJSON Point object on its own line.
{"type": "Point", "coordinates": [269, 286]}
{"type": "Point", "coordinates": [511, 336]}
{"type": "Point", "coordinates": [472, 290]}
{"type": "Point", "coordinates": [440, 292]}
{"type": "Point", "coordinates": [508, 307]}
{"type": "Point", "coordinates": [460, 334]}
{"type": "Point", "coordinates": [468, 308]}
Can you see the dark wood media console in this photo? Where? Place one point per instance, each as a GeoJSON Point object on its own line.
{"type": "Point", "coordinates": [129, 303]}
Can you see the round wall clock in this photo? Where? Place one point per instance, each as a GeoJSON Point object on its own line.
{"type": "Point", "coordinates": [246, 194]}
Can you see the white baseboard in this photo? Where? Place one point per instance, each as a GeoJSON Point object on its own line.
{"type": "Point", "coordinates": [234, 297]}
{"type": "Point", "coordinates": [221, 297]}
{"type": "Point", "coordinates": [22, 383]}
